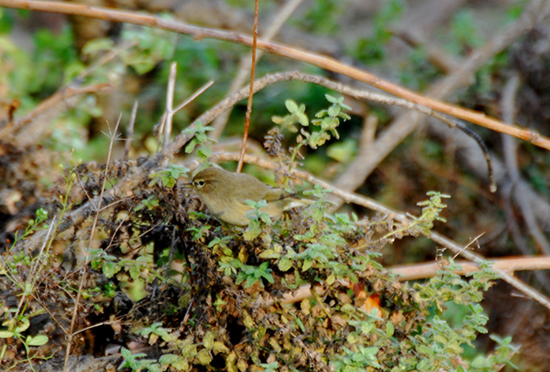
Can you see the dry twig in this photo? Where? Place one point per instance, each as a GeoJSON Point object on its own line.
{"type": "Point", "coordinates": [251, 85]}
{"type": "Point", "coordinates": [245, 63]}
{"type": "Point", "coordinates": [430, 269]}
{"type": "Point", "coordinates": [130, 131]}
{"type": "Point", "coordinates": [509, 265]}
{"type": "Point", "coordinates": [51, 102]}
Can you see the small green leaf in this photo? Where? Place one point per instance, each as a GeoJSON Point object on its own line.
{"type": "Point", "coordinates": [110, 269]}
{"type": "Point", "coordinates": [284, 264]}
{"type": "Point", "coordinates": [37, 340]}
{"type": "Point", "coordinates": [291, 106]}
{"type": "Point", "coordinates": [6, 334]}
{"type": "Point", "coordinates": [389, 329]}
{"type": "Point", "coordinates": [352, 338]}
{"type": "Point", "coordinates": [23, 326]}
{"type": "Point", "coordinates": [134, 272]}
{"type": "Point", "coordinates": [204, 357]}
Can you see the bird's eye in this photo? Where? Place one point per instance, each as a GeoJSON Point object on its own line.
{"type": "Point", "coordinates": [200, 183]}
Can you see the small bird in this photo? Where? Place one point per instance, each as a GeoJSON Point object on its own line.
{"type": "Point", "coordinates": [224, 193]}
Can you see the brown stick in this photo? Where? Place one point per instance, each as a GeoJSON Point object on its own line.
{"type": "Point", "coordinates": [50, 103]}
{"type": "Point", "coordinates": [525, 22]}
{"type": "Point", "coordinates": [251, 95]}
{"type": "Point", "coordinates": [428, 270]}
{"type": "Point", "coordinates": [245, 63]}
{"type": "Point", "coordinates": [509, 264]}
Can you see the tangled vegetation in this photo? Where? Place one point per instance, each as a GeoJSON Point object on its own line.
{"type": "Point", "coordinates": [221, 297]}
{"type": "Point", "coordinates": [109, 262]}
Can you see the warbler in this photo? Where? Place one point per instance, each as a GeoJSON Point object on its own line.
{"type": "Point", "coordinates": [224, 194]}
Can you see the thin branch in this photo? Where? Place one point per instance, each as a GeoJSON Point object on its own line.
{"type": "Point", "coordinates": [169, 110]}
{"type": "Point", "coordinates": [509, 265]}
{"type": "Point", "coordinates": [486, 154]}
{"type": "Point", "coordinates": [535, 13]}
{"type": "Point", "coordinates": [193, 96]}
{"type": "Point", "coordinates": [165, 125]}
{"type": "Point", "coordinates": [392, 101]}
{"type": "Point", "coordinates": [130, 131]}
{"type": "Point", "coordinates": [251, 95]}
{"type": "Point", "coordinates": [245, 63]}
{"type": "Point", "coordinates": [49, 103]}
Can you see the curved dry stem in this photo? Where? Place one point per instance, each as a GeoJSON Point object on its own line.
{"type": "Point", "coordinates": [50, 103]}
{"type": "Point", "coordinates": [141, 174]}
{"type": "Point", "coordinates": [131, 181]}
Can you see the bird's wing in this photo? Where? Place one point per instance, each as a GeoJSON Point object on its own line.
{"type": "Point", "coordinates": [247, 187]}
{"type": "Point", "coordinates": [273, 194]}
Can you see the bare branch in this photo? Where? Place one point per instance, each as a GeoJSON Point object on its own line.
{"type": "Point", "coordinates": [51, 102]}
{"type": "Point", "coordinates": [251, 95]}
{"type": "Point", "coordinates": [130, 131]}
{"type": "Point", "coordinates": [245, 63]}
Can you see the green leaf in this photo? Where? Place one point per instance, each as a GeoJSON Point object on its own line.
{"type": "Point", "coordinates": [23, 325]}
{"type": "Point", "coordinates": [389, 329]}
{"type": "Point", "coordinates": [6, 334]}
{"type": "Point", "coordinates": [134, 272]}
{"type": "Point", "coordinates": [204, 358]}
{"type": "Point", "coordinates": [191, 146]}
{"type": "Point", "coordinates": [38, 340]}
{"type": "Point", "coordinates": [110, 269]}
{"type": "Point", "coordinates": [284, 264]}
{"type": "Point", "coordinates": [307, 265]}
{"type": "Point", "coordinates": [208, 340]}
{"type": "Point", "coordinates": [291, 106]}
{"type": "Point", "coordinates": [169, 359]}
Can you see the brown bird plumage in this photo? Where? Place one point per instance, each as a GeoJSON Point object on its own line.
{"type": "Point", "coordinates": [224, 193]}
